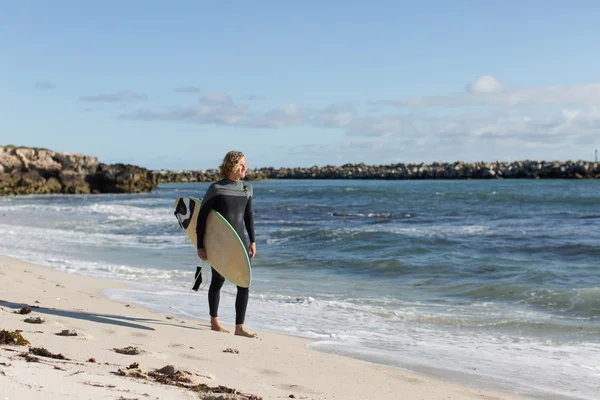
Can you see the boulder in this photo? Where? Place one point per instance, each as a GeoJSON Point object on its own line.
{"type": "Point", "coordinates": [26, 170]}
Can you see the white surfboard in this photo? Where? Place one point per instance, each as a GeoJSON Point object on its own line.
{"type": "Point", "coordinates": [224, 248]}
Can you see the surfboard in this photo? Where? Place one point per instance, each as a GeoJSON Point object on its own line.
{"type": "Point", "coordinates": [224, 248]}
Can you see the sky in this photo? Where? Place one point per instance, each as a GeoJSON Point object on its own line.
{"type": "Point", "coordinates": [176, 84]}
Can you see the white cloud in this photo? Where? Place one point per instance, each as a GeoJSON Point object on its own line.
{"type": "Point", "coordinates": [488, 91]}
{"type": "Point", "coordinates": [335, 115]}
{"type": "Point", "coordinates": [284, 115]}
{"type": "Point", "coordinates": [383, 126]}
{"type": "Point", "coordinates": [551, 117]}
{"type": "Point", "coordinates": [541, 129]}
{"type": "Point", "coordinates": [485, 84]}
{"type": "Point", "coordinates": [212, 108]}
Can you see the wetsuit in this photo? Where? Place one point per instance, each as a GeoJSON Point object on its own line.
{"type": "Point", "coordinates": [233, 200]}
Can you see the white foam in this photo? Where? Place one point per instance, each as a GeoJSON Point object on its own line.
{"type": "Point", "coordinates": [19, 236]}
{"type": "Point", "coordinates": [112, 212]}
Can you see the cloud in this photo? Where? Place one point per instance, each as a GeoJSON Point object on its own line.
{"type": "Point", "coordinates": [121, 97]}
{"type": "Point", "coordinates": [485, 84]}
{"type": "Point", "coordinates": [213, 108]}
{"type": "Point", "coordinates": [549, 130]}
{"type": "Point", "coordinates": [488, 113]}
{"type": "Point", "coordinates": [220, 109]}
{"type": "Point", "coordinates": [285, 115]}
{"type": "Point", "coordinates": [488, 91]}
{"type": "Point", "coordinates": [187, 89]}
{"type": "Point", "coordinates": [383, 126]}
{"type": "Point", "coordinates": [43, 85]}
{"type": "Point", "coordinates": [336, 115]}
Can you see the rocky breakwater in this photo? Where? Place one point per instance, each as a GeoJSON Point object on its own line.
{"type": "Point", "coordinates": [208, 175]}
{"type": "Point", "coordinates": [437, 170]}
{"type": "Point", "coordinates": [26, 170]}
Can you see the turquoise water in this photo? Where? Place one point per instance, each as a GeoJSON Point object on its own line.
{"type": "Point", "coordinates": [486, 280]}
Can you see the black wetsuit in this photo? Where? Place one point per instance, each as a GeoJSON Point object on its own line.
{"type": "Point", "coordinates": [233, 200]}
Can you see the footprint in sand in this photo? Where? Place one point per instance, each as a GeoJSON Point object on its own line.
{"type": "Point", "coordinates": [296, 388]}
{"type": "Point", "coordinates": [190, 356]}
{"type": "Point", "coordinates": [269, 372]}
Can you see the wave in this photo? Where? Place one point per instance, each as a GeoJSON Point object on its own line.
{"type": "Point", "coordinates": [111, 212]}
{"type": "Point", "coordinates": [108, 270]}
{"type": "Point", "coordinates": [21, 236]}
{"type": "Point", "coordinates": [584, 302]}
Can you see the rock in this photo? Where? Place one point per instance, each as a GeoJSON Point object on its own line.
{"type": "Point", "coordinates": [122, 178]}
{"type": "Point", "coordinates": [35, 320]}
{"type": "Point", "coordinates": [437, 170]}
{"type": "Point", "coordinates": [67, 332]}
{"type": "Point", "coordinates": [41, 171]}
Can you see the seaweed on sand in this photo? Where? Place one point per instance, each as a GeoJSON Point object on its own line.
{"type": "Point", "coordinates": [169, 375]}
{"type": "Point", "coordinates": [40, 351]}
{"type": "Point", "coordinates": [13, 338]}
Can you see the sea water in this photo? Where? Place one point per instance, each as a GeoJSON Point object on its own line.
{"type": "Point", "coordinates": [492, 282]}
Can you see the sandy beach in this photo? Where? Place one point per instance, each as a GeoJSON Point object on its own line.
{"type": "Point", "coordinates": [205, 364]}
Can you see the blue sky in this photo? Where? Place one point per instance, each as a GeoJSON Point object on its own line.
{"type": "Point", "coordinates": [177, 84]}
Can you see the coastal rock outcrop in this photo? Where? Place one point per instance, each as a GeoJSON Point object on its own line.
{"type": "Point", "coordinates": [437, 170]}
{"type": "Point", "coordinates": [40, 171]}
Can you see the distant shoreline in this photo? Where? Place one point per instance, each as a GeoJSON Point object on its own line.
{"type": "Point", "coordinates": [436, 171]}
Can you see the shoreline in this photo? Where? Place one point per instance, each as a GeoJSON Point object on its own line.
{"type": "Point", "coordinates": [274, 367]}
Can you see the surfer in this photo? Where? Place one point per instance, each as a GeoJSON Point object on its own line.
{"type": "Point", "coordinates": [232, 198]}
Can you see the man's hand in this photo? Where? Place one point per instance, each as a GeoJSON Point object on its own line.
{"type": "Point", "coordinates": [252, 249]}
{"type": "Point", "coordinates": [202, 254]}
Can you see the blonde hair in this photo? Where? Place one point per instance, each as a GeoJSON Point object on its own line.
{"type": "Point", "coordinates": [230, 163]}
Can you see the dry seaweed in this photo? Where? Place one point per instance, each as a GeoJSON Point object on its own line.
{"type": "Point", "coordinates": [29, 358]}
{"type": "Point", "coordinates": [203, 388]}
{"type": "Point", "coordinates": [94, 384]}
{"type": "Point", "coordinates": [230, 350]}
{"type": "Point", "coordinates": [13, 338]}
{"type": "Point", "coordinates": [169, 375]}
{"type": "Point", "coordinates": [133, 373]}
{"type": "Point", "coordinates": [23, 311]}
{"type": "Point", "coordinates": [40, 351]}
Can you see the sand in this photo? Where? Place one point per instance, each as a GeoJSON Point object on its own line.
{"type": "Point", "coordinates": [271, 367]}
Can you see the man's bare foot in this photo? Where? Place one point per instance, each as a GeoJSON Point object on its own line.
{"type": "Point", "coordinates": [216, 326]}
{"type": "Point", "coordinates": [240, 331]}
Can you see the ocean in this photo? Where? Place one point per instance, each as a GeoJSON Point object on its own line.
{"type": "Point", "coordinates": [496, 283]}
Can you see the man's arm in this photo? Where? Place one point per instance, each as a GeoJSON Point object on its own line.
{"type": "Point", "coordinates": [249, 220]}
